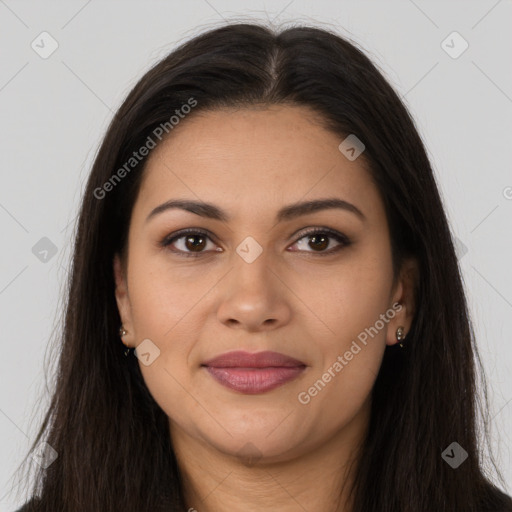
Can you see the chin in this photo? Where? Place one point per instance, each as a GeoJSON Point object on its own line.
{"type": "Point", "coordinates": [257, 449]}
{"type": "Point", "coordinates": [261, 438]}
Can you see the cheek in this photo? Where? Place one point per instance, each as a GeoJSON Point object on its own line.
{"type": "Point", "coordinates": [163, 315]}
{"type": "Point", "coordinates": [166, 309]}
{"type": "Point", "coordinates": [353, 304]}
{"type": "Point", "coordinates": [164, 298]}
{"type": "Point", "coordinates": [351, 298]}
{"type": "Point", "coordinates": [349, 362]}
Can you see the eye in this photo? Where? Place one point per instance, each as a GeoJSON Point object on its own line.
{"type": "Point", "coordinates": [194, 240]}
{"type": "Point", "coordinates": [319, 240]}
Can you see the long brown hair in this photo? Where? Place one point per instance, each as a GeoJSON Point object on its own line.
{"type": "Point", "coordinates": [111, 437]}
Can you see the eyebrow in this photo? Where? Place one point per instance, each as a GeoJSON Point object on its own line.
{"type": "Point", "coordinates": [286, 213]}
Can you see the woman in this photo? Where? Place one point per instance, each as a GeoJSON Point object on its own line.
{"type": "Point", "coordinates": [263, 226]}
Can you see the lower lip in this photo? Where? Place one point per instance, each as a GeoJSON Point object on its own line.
{"type": "Point", "coordinates": [254, 380]}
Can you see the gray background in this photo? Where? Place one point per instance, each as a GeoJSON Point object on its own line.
{"type": "Point", "coordinates": [54, 112]}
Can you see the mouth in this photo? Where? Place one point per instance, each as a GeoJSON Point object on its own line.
{"type": "Point", "coordinates": [253, 373]}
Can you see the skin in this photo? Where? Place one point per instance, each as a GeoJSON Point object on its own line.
{"type": "Point", "coordinates": [266, 451]}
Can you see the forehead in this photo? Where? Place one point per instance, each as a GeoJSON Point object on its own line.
{"type": "Point", "coordinates": [242, 158]}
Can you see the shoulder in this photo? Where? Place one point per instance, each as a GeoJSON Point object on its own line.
{"type": "Point", "coordinates": [495, 500]}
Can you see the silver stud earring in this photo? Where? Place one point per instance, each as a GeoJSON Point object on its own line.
{"type": "Point", "coordinates": [400, 335]}
{"type": "Point", "coordinates": [124, 332]}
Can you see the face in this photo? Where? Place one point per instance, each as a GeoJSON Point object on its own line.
{"type": "Point", "coordinates": [256, 277]}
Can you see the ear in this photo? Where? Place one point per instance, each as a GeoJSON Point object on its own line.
{"type": "Point", "coordinates": [404, 296]}
{"type": "Point", "coordinates": [123, 300]}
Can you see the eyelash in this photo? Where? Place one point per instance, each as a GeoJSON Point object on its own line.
{"type": "Point", "coordinates": [339, 237]}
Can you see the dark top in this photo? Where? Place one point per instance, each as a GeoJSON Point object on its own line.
{"type": "Point", "coordinates": [496, 501]}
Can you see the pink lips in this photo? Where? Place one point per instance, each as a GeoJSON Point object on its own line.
{"type": "Point", "coordinates": [253, 373]}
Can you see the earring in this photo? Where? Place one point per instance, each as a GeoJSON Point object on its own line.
{"type": "Point", "coordinates": [124, 332]}
{"type": "Point", "coordinates": [400, 335]}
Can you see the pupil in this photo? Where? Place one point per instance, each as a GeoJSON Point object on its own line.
{"type": "Point", "coordinates": [200, 245]}
{"type": "Point", "coordinates": [323, 244]}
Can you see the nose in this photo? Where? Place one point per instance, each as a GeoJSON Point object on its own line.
{"type": "Point", "coordinates": [255, 297]}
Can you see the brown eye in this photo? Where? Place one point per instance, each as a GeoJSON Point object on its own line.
{"type": "Point", "coordinates": [195, 242]}
{"type": "Point", "coordinates": [318, 242]}
{"type": "Point", "coordinates": [320, 239]}
{"type": "Point", "coordinates": [188, 243]}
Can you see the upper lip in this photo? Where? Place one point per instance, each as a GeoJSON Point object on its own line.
{"type": "Point", "coordinates": [242, 359]}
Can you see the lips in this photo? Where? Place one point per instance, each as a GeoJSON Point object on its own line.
{"type": "Point", "coordinates": [253, 373]}
{"type": "Point", "coordinates": [241, 359]}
